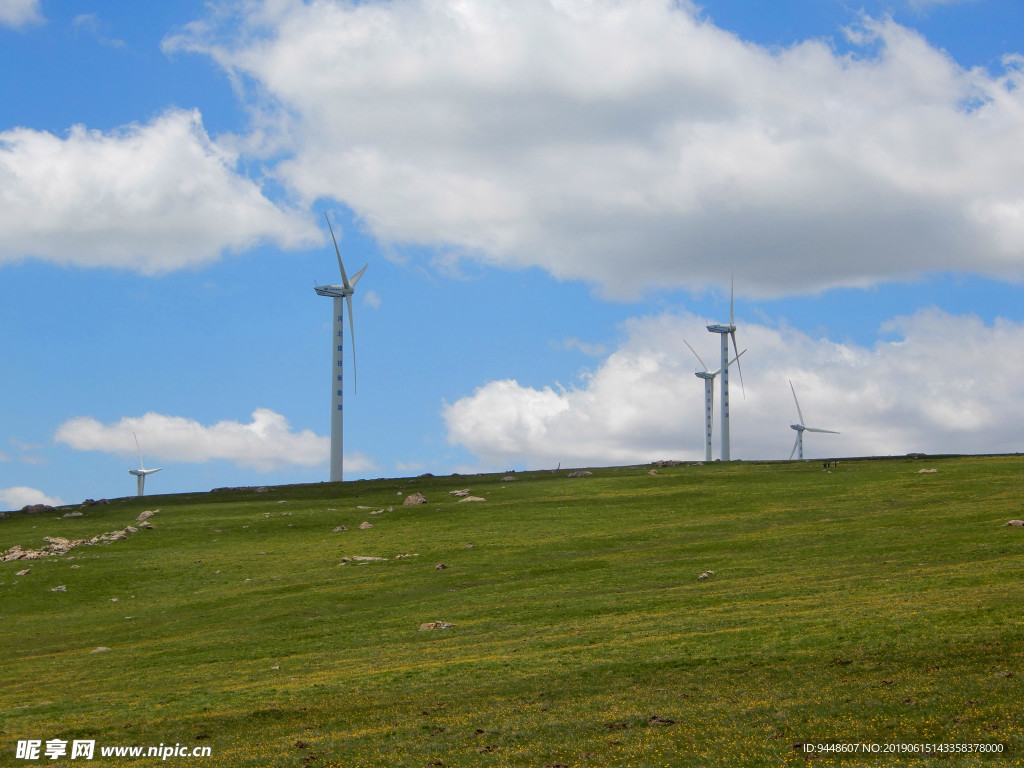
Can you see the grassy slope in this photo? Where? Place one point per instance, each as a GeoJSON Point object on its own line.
{"type": "Point", "coordinates": [870, 604]}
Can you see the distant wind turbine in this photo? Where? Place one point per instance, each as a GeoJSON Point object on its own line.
{"type": "Point", "coordinates": [726, 331]}
{"type": "Point", "coordinates": [341, 294]}
{"type": "Point", "coordinates": [709, 397]}
{"type": "Point", "coordinates": [798, 446]}
{"type": "Point", "coordinates": [141, 472]}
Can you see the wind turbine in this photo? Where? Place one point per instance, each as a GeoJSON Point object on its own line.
{"type": "Point", "coordinates": [709, 397]}
{"type": "Point", "coordinates": [798, 446]}
{"type": "Point", "coordinates": [141, 472]}
{"type": "Point", "coordinates": [726, 331]}
{"type": "Point", "coordinates": [341, 294]}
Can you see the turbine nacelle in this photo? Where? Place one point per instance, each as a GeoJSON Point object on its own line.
{"type": "Point", "coordinates": [718, 328]}
{"type": "Point", "coordinates": [334, 291]}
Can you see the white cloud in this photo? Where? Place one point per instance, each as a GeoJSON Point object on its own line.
{"type": "Point", "coordinates": [634, 143]}
{"type": "Point", "coordinates": [359, 462]}
{"type": "Point", "coordinates": [265, 443]}
{"type": "Point", "coordinates": [371, 298]}
{"type": "Point", "coordinates": [90, 24]}
{"type": "Point", "coordinates": [151, 198]}
{"type": "Point", "coordinates": [591, 350]}
{"type": "Point", "coordinates": [18, 13]}
{"type": "Point", "coordinates": [21, 495]}
{"type": "Point", "coordinates": [407, 467]}
{"type": "Point", "coordinates": [946, 385]}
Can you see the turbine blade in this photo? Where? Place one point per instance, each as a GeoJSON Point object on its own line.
{"type": "Point", "coordinates": [138, 449]}
{"type": "Point", "coordinates": [795, 444]}
{"type": "Point", "coordinates": [798, 412]}
{"type": "Point", "coordinates": [357, 275]}
{"type": "Point", "coordinates": [814, 429]}
{"type": "Point", "coordinates": [344, 277]}
{"type": "Point", "coordinates": [695, 354]}
{"type": "Point", "coordinates": [732, 293]}
{"type": "Point", "coordinates": [739, 367]}
{"type": "Point", "coordinates": [352, 328]}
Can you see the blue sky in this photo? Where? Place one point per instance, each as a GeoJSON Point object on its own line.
{"type": "Point", "coordinates": [550, 197]}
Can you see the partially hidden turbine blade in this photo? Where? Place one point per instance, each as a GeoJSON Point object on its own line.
{"type": "Point", "coordinates": [352, 328]}
{"type": "Point", "coordinates": [795, 444]}
{"type": "Point", "coordinates": [739, 368]}
{"type": "Point", "coordinates": [711, 402]}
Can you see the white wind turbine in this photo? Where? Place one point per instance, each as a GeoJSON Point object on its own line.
{"type": "Point", "coordinates": [726, 331]}
{"type": "Point", "coordinates": [341, 294]}
{"type": "Point", "coordinates": [798, 446]}
{"type": "Point", "coordinates": [709, 397]}
{"type": "Point", "coordinates": [141, 472]}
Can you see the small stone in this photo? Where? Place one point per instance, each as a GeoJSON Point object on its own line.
{"type": "Point", "coordinates": [27, 571]}
{"type": "Point", "coordinates": [440, 567]}
{"type": "Point", "coordinates": [72, 514]}
{"type": "Point", "coordinates": [706, 575]}
{"type": "Point", "coordinates": [365, 526]}
{"type": "Point", "coordinates": [1015, 523]}
{"type": "Point", "coordinates": [580, 473]}
{"type": "Point", "coordinates": [508, 479]}
{"type": "Point", "coordinates": [472, 498]}
{"type": "Point", "coordinates": [653, 472]}
{"type": "Point", "coordinates": [414, 498]}
{"type": "Point", "coordinates": [101, 649]}
{"type": "Point", "coordinates": [61, 588]}
{"type": "Point", "coordinates": [340, 528]}
{"type": "Point", "coordinates": [435, 625]}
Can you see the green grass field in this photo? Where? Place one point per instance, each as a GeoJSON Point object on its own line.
{"type": "Point", "coordinates": [871, 604]}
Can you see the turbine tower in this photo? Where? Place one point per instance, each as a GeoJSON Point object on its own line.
{"type": "Point", "coordinates": [798, 446]}
{"type": "Point", "coordinates": [725, 331]}
{"type": "Point", "coordinates": [341, 294]}
{"type": "Point", "coordinates": [709, 397]}
{"type": "Point", "coordinates": [141, 472]}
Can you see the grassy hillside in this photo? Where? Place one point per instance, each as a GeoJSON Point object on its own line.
{"type": "Point", "coordinates": [873, 603]}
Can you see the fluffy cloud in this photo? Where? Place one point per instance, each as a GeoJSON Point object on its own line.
{"type": "Point", "coordinates": [21, 495]}
{"type": "Point", "coordinates": [265, 443]}
{"type": "Point", "coordinates": [946, 384]}
{"type": "Point", "coordinates": [151, 198]}
{"type": "Point", "coordinates": [634, 143]}
{"type": "Point", "coordinates": [18, 13]}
